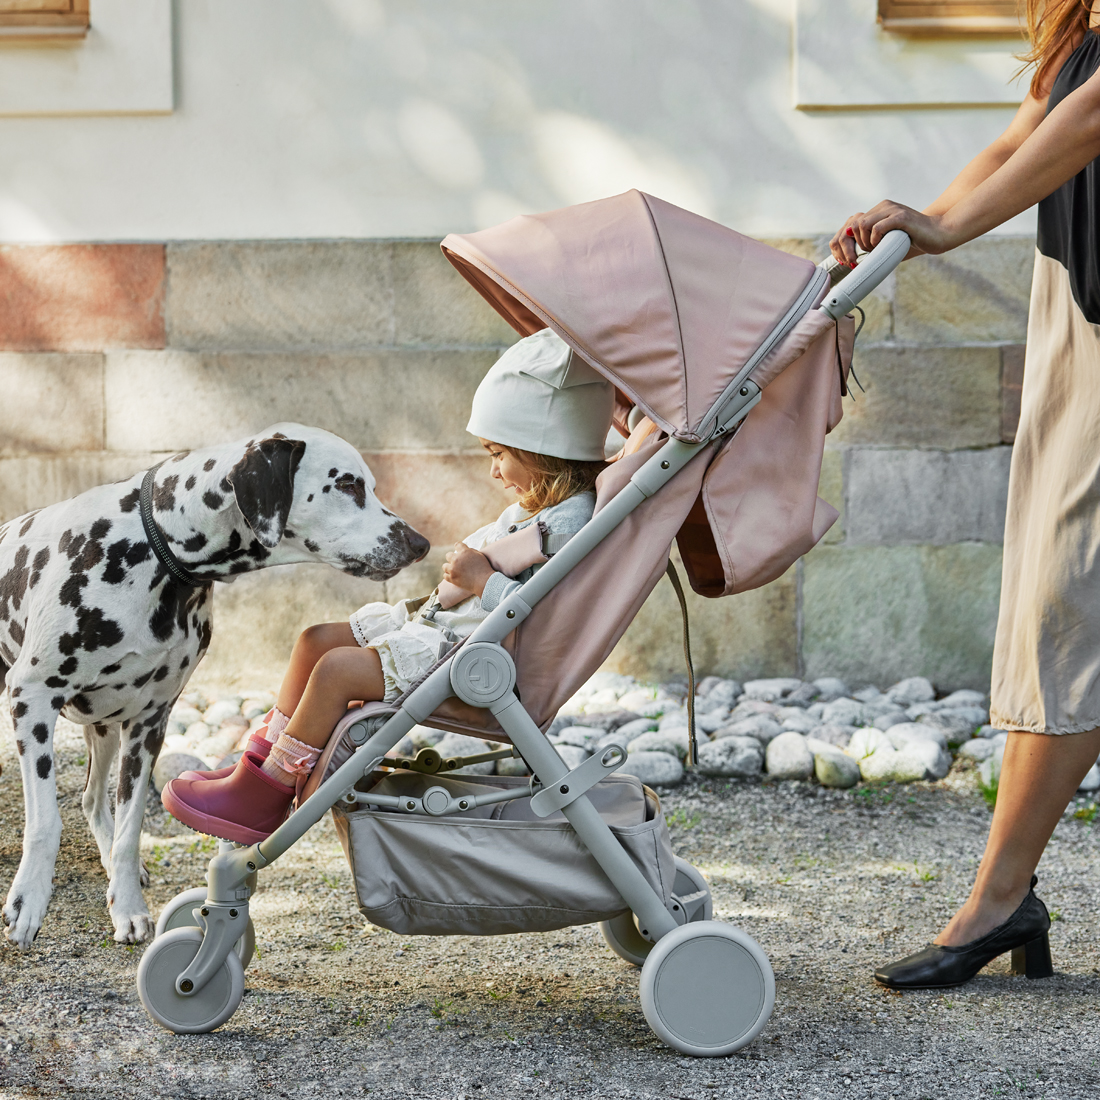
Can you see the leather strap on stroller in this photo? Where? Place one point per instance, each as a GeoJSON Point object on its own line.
{"type": "Point", "coordinates": [674, 577]}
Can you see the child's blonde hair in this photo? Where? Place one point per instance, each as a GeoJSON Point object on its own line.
{"type": "Point", "coordinates": [555, 479]}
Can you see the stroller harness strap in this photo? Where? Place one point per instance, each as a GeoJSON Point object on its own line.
{"type": "Point", "coordinates": [674, 577]}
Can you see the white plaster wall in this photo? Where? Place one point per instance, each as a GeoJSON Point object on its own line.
{"type": "Point", "coordinates": [384, 118]}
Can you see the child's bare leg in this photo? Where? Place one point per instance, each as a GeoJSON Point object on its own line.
{"type": "Point", "coordinates": [341, 675]}
{"type": "Point", "coordinates": [312, 644]}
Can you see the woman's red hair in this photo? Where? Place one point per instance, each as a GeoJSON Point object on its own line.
{"type": "Point", "coordinates": [1054, 27]}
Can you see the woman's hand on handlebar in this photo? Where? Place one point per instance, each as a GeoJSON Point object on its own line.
{"type": "Point", "coordinates": [926, 231]}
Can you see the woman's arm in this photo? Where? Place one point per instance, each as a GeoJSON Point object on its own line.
{"type": "Point", "coordinates": [1032, 158]}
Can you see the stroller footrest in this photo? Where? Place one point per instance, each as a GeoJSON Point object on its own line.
{"type": "Point", "coordinates": [580, 780]}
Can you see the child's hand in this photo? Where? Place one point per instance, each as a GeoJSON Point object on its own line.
{"type": "Point", "coordinates": [467, 568]}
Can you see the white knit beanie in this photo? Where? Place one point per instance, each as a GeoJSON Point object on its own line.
{"type": "Point", "coordinates": [539, 396]}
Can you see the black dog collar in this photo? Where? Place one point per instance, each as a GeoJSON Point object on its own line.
{"type": "Point", "coordinates": [156, 539]}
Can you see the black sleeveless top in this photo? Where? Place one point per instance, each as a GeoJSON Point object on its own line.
{"type": "Point", "coordinates": [1069, 219]}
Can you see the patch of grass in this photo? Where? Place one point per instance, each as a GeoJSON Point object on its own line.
{"type": "Point", "coordinates": [924, 876]}
{"type": "Point", "coordinates": [1056, 914]}
{"type": "Point", "coordinates": [339, 945]}
{"type": "Point", "coordinates": [1086, 813]}
{"type": "Point", "coordinates": [439, 1008]}
{"type": "Point", "coordinates": [681, 819]}
{"type": "Point", "coordinates": [204, 844]}
{"type": "Point", "coordinates": [989, 791]}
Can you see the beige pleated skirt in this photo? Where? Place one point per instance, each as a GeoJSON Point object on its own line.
{"type": "Point", "coordinates": [1046, 658]}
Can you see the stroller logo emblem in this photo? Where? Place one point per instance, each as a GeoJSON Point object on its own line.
{"type": "Point", "coordinates": [482, 673]}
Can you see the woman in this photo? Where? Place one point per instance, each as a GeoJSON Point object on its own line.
{"type": "Point", "coordinates": [1046, 660]}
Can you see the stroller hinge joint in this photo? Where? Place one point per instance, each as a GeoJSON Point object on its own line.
{"type": "Point", "coordinates": [577, 782]}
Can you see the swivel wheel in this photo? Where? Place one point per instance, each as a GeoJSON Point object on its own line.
{"type": "Point", "coordinates": [177, 914]}
{"type": "Point", "coordinates": [164, 960]}
{"type": "Point", "coordinates": [707, 989]}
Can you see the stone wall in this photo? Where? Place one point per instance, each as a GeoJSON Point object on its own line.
{"type": "Point", "coordinates": [112, 356]}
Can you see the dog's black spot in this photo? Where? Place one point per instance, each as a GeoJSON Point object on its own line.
{"type": "Point", "coordinates": [20, 747]}
{"type": "Point", "coordinates": [56, 682]}
{"type": "Point", "coordinates": [13, 584]}
{"type": "Point", "coordinates": [142, 680]}
{"type": "Point", "coordinates": [164, 494]}
{"type": "Point", "coordinates": [57, 702]}
{"type": "Point", "coordinates": [326, 489]}
{"type": "Point", "coordinates": [16, 692]}
{"type": "Point", "coordinates": [93, 631]}
{"type": "Point", "coordinates": [70, 596]}
{"type": "Point", "coordinates": [16, 632]}
{"type": "Point", "coordinates": [212, 500]}
{"type": "Point", "coordinates": [41, 560]}
{"type": "Point", "coordinates": [116, 713]}
{"type": "Point", "coordinates": [288, 533]}
{"type": "Point", "coordinates": [82, 703]}
{"type": "Point", "coordinates": [160, 674]}
{"type": "Point", "coordinates": [107, 670]}
{"type": "Point", "coordinates": [130, 501]}
{"type": "Point", "coordinates": [189, 484]}
{"type": "Point", "coordinates": [257, 551]}
{"type": "Point", "coordinates": [195, 543]}
{"type": "Point", "coordinates": [129, 770]}
{"type": "Point", "coordinates": [312, 547]}
{"type": "Point", "coordinates": [225, 485]}
{"type": "Point", "coordinates": [41, 733]}
{"type": "Point", "coordinates": [354, 487]}
{"type": "Point", "coordinates": [309, 499]}
{"type": "Point", "coordinates": [333, 472]}
{"type": "Point", "coordinates": [184, 663]}
{"type": "Point", "coordinates": [209, 464]}
{"type": "Point", "coordinates": [34, 660]}
{"type": "Point", "coordinates": [19, 710]}
{"type": "Point", "coordinates": [100, 528]}
{"type": "Point", "coordinates": [44, 765]}
{"type": "Point", "coordinates": [122, 554]}
{"type": "Point", "coordinates": [29, 522]}
{"type": "Point", "coordinates": [118, 687]}
{"type": "Point", "coordinates": [181, 456]}
{"type": "Point", "coordinates": [68, 666]}
{"type": "Point", "coordinates": [239, 567]}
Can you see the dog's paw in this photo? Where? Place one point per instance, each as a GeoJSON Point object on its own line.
{"type": "Point", "coordinates": [24, 912]}
{"type": "Point", "coordinates": [137, 928]}
{"type": "Point", "coordinates": [143, 877]}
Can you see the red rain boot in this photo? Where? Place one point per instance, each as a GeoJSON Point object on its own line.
{"type": "Point", "coordinates": [246, 806]}
{"type": "Point", "coordinates": [261, 746]}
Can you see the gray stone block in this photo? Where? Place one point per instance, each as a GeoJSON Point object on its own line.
{"type": "Point", "coordinates": [977, 292]}
{"type": "Point", "coordinates": [732, 757]}
{"type": "Point", "coordinates": [834, 769]}
{"type": "Point", "coordinates": [51, 403]}
{"type": "Point", "coordinates": [881, 613]}
{"type": "Point", "coordinates": [655, 769]}
{"type": "Point", "coordinates": [789, 757]}
{"type": "Point", "coordinates": [434, 304]}
{"type": "Point", "coordinates": [34, 481]}
{"type": "Point", "coordinates": [274, 295]}
{"type": "Point", "coordinates": [924, 397]}
{"type": "Point", "coordinates": [376, 400]}
{"type": "Point", "coordinates": [831, 489]}
{"type": "Point", "coordinates": [898, 497]}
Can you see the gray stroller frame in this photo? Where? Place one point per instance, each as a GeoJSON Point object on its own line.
{"type": "Point", "coordinates": [707, 989]}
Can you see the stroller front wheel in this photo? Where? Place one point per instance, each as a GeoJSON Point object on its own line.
{"type": "Point", "coordinates": [707, 989]}
{"type": "Point", "coordinates": [164, 960]}
{"type": "Point", "coordinates": [177, 914]}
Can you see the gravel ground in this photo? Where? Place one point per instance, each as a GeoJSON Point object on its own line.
{"type": "Point", "coordinates": [830, 883]}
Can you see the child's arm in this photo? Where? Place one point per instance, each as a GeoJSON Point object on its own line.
{"type": "Point", "coordinates": [467, 569]}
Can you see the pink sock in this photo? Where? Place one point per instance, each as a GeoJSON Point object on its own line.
{"type": "Point", "coordinates": [274, 724]}
{"type": "Point", "coordinates": [289, 759]}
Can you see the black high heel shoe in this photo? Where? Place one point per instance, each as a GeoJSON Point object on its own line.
{"type": "Point", "coordinates": [936, 967]}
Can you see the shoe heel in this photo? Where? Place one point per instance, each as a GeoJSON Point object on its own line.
{"type": "Point", "coordinates": [1032, 959]}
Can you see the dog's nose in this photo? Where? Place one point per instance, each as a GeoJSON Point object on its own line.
{"type": "Point", "coordinates": [418, 544]}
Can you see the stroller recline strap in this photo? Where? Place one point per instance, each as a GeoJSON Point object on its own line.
{"type": "Point", "coordinates": [674, 577]}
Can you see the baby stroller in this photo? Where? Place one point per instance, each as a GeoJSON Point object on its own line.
{"type": "Point", "coordinates": [730, 359]}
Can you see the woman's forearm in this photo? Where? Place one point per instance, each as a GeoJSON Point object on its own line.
{"type": "Point", "coordinates": [1060, 147]}
{"type": "Point", "coordinates": [975, 173]}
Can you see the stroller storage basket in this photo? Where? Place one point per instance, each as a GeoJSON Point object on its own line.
{"type": "Point", "coordinates": [496, 868]}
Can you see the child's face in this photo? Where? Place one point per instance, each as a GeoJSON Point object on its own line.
{"type": "Point", "coordinates": [507, 468]}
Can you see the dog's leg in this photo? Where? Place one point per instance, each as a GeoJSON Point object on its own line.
{"type": "Point", "coordinates": [33, 718]}
{"type": "Point", "coordinates": [140, 744]}
{"type": "Point", "coordinates": [102, 742]}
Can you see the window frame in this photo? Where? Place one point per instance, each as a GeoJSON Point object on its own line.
{"type": "Point", "coordinates": [940, 18]}
{"type": "Point", "coordinates": [50, 21]}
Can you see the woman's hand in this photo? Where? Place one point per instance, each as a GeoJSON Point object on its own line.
{"type": "Point", "coordinates": [927, 232]}
{"type": "Point", "coordinates": [467, 569]}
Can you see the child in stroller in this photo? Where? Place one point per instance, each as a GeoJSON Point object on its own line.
{"type": "Point", "coordinates": [543, 416]}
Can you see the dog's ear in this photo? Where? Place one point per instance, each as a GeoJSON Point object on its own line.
{"type": "Point", "coordinates": [263, 484]}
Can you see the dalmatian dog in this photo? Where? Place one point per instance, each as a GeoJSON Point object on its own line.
{"type": "Point", "coordinates": [105, 610]}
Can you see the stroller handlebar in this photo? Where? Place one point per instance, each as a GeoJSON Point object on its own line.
{"type": "Point", "coordinates": [879, 263]}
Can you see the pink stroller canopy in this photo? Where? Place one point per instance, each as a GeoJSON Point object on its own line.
{"type": "Point", "coordinates": [666, 304]}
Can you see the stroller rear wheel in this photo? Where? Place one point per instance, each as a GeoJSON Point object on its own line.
{"type": "Point", "coordinates": [621, 933]}
{"type": "Point", "coordinates": [707, 989]}
{"type": "Point", "coordinates": [177, 914]}
{"type": "Point", "coordinates": [164, 960]}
